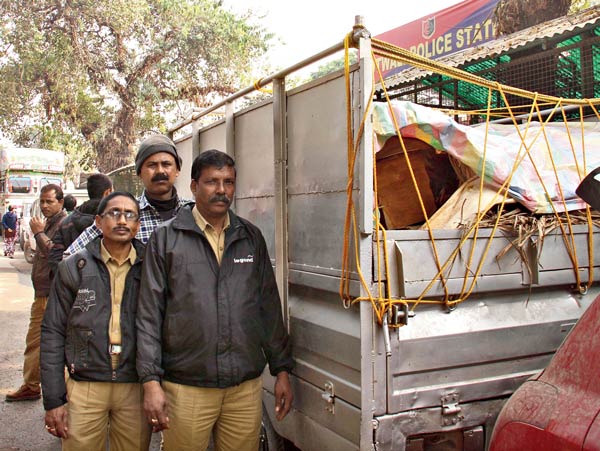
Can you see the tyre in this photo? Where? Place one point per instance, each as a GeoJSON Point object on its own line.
{"type": "Point", "coordinates": [29, 253]}
{"type": "Point", "coordinates": [270, 440]}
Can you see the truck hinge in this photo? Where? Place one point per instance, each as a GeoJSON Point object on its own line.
{"type": "Point", "coordinates": [451, 411]}
{"type": "Point", "coordinates": [399, 314]}
{"type": "Point", "coordinates": [375, 425]}
{"type": "Point", "coordinates": [328, 396]}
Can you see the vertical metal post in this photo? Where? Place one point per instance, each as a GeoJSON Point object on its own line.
{"type": "Point", "coordinates": [230, 135]}
{"type": "Point", "coordinates": [281, 192]}
{"type": "Point", "coordinates": [366, 144]}
{"type": "Point", "coordinates": [367, 324]}
{"type": "Point", "coordinates": [195, 138]}
{"type": "Point", "coordinates": [229, 130]}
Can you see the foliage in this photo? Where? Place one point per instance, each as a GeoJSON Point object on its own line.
{"type": "Point", "coordinates": [79, 154]}
{"type": "Point", "coordinates": [332, 66]}
{"type": "Point", "coordinates": [99, 74]}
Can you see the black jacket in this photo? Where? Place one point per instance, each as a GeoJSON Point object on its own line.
{"type": "Point", "coordinates": [207, 325]}
{"type": "Point", "coordinates": [75, 325]}
{"type": "Point", "coordinates": [70, 229]}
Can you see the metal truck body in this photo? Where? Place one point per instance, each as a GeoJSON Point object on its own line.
{"type": "Point", "coordinates": [440, 381]}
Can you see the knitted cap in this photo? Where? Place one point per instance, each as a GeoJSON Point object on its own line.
{"type": "Point", "coordinates": [155, 144]}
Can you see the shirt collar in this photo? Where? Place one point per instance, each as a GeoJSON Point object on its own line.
{"type": "Point", "coordinates": [106, 257]}
{"type": "Point", "coordinates": [203, 223]}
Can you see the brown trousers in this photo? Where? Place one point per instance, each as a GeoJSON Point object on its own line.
{"type": "Point", "coordinates": [31, 363]}
{"type": "Point", "coordinates": [98, 411]}
{"type": "Point", "coordinates": [234, 412]}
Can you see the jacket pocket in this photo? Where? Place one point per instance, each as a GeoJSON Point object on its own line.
{"type": "Point", "coordinates": [78, 348]}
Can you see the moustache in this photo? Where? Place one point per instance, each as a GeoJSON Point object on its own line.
{"type": "Point", "coordinates": [121, 229]}
{"type": "Point", "coordinates": [219, 198]}
{"type": "Point", "coordinates": [160, 177]}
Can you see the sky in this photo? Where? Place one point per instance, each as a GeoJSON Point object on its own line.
{"type": "Point", "coordinates": [309, 26]}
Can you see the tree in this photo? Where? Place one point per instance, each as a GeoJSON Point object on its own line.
{"type": "Point", "coordinates": [332, 66]}
{"type": "Point", "coordinates": [515, 15]}
{"type": "Point", "coordinates": [103, 72]}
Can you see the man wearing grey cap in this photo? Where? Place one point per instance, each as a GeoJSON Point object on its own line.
{"type": "Point", "coordinates": [157, 164]}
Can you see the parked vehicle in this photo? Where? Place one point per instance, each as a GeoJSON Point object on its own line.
{"type": "Point", "coordinates": [432, 378]}
{"type": "Point", "coordinates": [23, 172]}
{"type": "Point", "coordinates": [557, 410]}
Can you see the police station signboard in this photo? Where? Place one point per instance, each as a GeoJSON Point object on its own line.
{"type": "Point", "coordinates": [466, 24]}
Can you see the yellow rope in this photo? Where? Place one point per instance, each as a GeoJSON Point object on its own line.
{"type": "Point", "coordinates": [258, 87]}
{"type": "Point", "coordinates": [382, 302]}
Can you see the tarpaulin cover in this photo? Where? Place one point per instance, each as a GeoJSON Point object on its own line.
{"type": "Point", "coordinates": [504, 147]}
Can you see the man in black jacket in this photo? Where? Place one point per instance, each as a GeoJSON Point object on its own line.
{"type": "Point", "coordinates": [89, 326]}
{"type": "Point", "coordinates": [98, 186]}
{"type": "Point", "coordinates": [209, 319]}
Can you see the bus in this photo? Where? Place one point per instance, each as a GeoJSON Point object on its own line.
{"type": "Point", "coordinates": [23, 172]}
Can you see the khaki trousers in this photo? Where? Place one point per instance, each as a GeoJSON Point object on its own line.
{"type": "Point", "coordinates": [233, 414]}
{"type": "Point", "coordinates": [31, 364]}
{"type": "Point", "coordinates": [94, 406]}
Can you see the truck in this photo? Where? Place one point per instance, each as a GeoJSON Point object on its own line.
{"type": "Point", "coordinates": [23, 171]}
{"type": "Point", "coordinates": [374, 371]}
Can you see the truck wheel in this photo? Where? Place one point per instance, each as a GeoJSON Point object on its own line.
{"type": "Point", "coordinates": [270, 440]}
{"type": "Point", "coordinates": [29, 253]}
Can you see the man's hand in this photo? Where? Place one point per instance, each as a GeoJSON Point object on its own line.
{"type": "Point", "coordinates": [56, 422]}
{"type": "Point", "coordinates": [283, 395]}
{"type": "Point", "coordinates": [155, 406]}
{"type": "Point", "coordinates": [37, 225]}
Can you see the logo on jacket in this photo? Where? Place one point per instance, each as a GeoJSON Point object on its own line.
{"type": "Point", "coordinates": [85, 299]}
{"type": "Point", "coordinates": [248, 259]}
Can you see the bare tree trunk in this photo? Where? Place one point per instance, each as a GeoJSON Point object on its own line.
{"type": "Point", "coordinates": [515, 15]}
{"type": "Point", "coordinates": [118, 146]}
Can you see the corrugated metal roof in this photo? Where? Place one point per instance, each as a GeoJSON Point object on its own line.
{"type": "Point", "coordinates": [522, 39]}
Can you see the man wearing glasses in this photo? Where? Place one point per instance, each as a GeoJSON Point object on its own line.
{"type": "Point", "coordinates": [89, 327]}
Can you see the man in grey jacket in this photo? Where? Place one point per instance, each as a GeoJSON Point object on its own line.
{"type": "Point", "coordinates": [209, 319]}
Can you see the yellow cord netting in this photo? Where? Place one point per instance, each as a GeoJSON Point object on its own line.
{"type": "Point", "coordinates": [379, 296]}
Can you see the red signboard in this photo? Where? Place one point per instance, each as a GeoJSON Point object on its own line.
{"type": "Point", "coordinates": [466, 24]}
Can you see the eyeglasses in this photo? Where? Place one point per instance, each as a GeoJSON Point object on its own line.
{"type": "Point", "coordinates": [130, 216]}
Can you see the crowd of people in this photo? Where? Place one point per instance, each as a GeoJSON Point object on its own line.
{"type": "Point", "coordinates": [163, 311]}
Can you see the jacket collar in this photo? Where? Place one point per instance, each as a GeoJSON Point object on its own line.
{"type": "Point", "coordinates": [185, 220]}
{"type": "Point", "coordinates": [94, 248]}
{"type": "Point", "coordinates": [54, 219]}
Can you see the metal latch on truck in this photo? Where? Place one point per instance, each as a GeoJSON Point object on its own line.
{"type": "Point", "coordinates": [328, 396]}
{"type": "Point", "coordinates": [451, 411]}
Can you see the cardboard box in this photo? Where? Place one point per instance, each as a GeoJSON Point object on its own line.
{"type": "Point", "coordinates": [397, 195]}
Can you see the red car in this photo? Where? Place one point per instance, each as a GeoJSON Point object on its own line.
{"type": "Point", "coordinates": [558, 410]}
